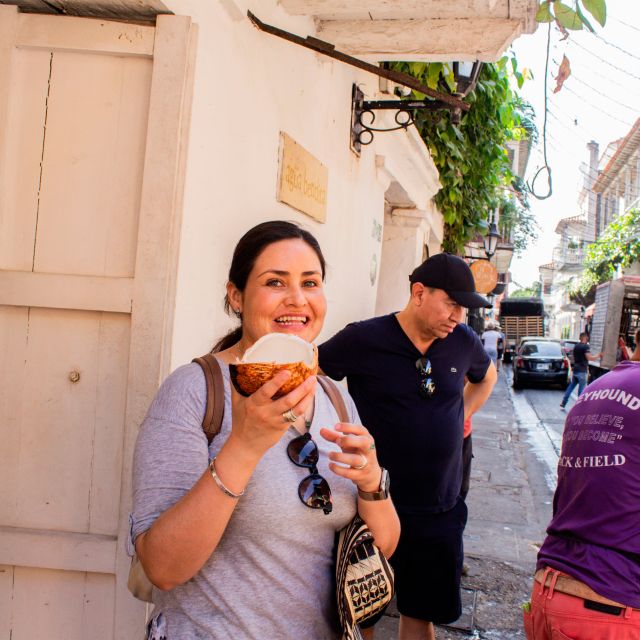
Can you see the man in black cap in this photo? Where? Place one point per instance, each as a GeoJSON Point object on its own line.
{"type": "Point", "coordinates": [406, 372]}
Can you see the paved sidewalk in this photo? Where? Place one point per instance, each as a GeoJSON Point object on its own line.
{"type": "Point", "coordinates": [507, 519]}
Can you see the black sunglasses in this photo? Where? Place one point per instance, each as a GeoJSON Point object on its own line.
{"type": "Point", "coordinates": [426, 386]}
{"type": "Point", "coordinates": [313, 490]}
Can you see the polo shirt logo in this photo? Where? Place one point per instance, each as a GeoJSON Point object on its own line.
{"type": "Point", "coordinates": [454, 370]}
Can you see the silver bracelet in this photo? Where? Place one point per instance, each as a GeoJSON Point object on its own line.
{"type": "Point", "coordinates": [221, 486]}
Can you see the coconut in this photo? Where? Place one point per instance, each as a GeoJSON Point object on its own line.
{"type": "Point", "coordinates": [270, 354]}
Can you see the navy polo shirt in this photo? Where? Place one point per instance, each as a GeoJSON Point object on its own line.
{"type": "Point", "coordinates": [419, 440]}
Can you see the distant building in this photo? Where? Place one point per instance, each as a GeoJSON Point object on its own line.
{"type": "Point", "coordinates": [610, 186]}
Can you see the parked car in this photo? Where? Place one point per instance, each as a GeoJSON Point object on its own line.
{"type": "Point", "coordinates": [567, 348]}
{"type": "Point", "coordinates": [541, 361]}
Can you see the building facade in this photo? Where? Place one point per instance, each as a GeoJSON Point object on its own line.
{"type": "Point", "coordinates": [138, 142]}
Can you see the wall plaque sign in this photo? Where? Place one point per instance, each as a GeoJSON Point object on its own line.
{"type": "Point", "coordinates": [303, 180]}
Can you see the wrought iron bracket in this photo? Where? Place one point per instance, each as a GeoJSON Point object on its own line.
{"type": "Point", "coordinates": [363, 116]}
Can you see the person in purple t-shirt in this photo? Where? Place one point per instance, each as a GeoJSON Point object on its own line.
{"type": "Point", "coordinates": [587, 582]}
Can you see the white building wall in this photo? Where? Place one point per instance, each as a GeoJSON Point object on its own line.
{"type": "Point", "coordinates": [249, 86]}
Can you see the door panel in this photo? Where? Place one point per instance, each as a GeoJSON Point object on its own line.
{"type": "Point", "coordinates": [92, 126]}
{"type": "Point", "coordinates": [92, 164]}
{"type": "Point", "coordinates": [73, 429]}
{"type": "Point", "coordinates": [22, 157]}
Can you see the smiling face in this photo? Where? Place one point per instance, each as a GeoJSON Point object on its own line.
{"type": "Point", "coordinates": [436, 314]}
{"type": "Point", "coordinates": [284, 293]}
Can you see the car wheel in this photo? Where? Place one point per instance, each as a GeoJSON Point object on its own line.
{"type": "Point", "coordinates": [516, 383]}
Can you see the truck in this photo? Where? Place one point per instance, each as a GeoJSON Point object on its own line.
{"type": "Point", "coordinates": [520, 317]}
{"type": "Point", "coordinates": [616, 318]}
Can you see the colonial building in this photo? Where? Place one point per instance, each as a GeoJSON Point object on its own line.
{"type": "Point", "coordinates": [610, 186]}
{"type": "Point", "coordinates": [138, 142]}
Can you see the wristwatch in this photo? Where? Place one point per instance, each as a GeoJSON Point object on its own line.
{"type": "Point", "coordinates": [382, 493]}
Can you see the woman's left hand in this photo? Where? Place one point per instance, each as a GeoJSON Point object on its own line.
{"type": "Point", "coordinates": [357, 461]}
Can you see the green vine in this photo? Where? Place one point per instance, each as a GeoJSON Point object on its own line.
{"type": "Point", "coordinates": [471, 157]}
{"type": "Point", "coordinates": [617, 247]}
{"type": "Point", "coordinates": [573, 18]}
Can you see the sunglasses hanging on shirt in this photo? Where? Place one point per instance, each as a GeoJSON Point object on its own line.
{"type": "Point", "coordinates": [313, 490]}
{"type": "Point", "coordinates": [426, 384]}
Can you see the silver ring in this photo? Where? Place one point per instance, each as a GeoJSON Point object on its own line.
{"type": "Point", "coordinates": [289, 416]}
{"type": "Point", "coordinates": [365, 462]}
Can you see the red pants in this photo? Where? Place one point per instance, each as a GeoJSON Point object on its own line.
{"type": "Point", "coordinates": [559, 616]}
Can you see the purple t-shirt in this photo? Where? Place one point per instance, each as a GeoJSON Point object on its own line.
{"type": "Point", "coordinates": [594, 534]}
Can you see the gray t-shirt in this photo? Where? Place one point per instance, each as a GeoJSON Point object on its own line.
{"type": "Point", "coordinates": [271, 575]}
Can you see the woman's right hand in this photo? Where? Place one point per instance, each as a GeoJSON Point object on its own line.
{"type": "Point", "coordinates": [258, 421]}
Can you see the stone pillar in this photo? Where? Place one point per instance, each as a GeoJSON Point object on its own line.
{"type": "Point", "coordinates": [405, 235]}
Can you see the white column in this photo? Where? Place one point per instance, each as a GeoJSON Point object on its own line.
{"type": "Point", "coordinates": [406, 233]}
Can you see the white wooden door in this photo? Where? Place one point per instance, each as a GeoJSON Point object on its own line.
{"type": "Point", "coordinates": [92, 118]}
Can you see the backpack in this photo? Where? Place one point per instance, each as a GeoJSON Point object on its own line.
{"type": "Point", "coordinates": [138, 583]}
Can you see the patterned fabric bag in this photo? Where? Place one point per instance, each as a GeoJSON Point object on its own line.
{"type": "Point", "coordinates": [364, 578]}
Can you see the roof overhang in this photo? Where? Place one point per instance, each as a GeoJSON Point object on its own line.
{"type": "Point", "coordinates": [427, 30]}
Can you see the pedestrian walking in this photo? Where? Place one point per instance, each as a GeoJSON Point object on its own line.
{"type": "Point", "coordinates": [225, 532]}
{"type": "Point", "coordinates": [406, 372]}
{"type": "Point", "coordinates": [490, 339]}
{"type": "Point", "coordinates": [581, 358]}
{"type": "Point", "coordinates": [587, 580]}
{"type": "Point", "coordinates": [501, 343]}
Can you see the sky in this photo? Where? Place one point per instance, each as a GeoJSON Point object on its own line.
{"type": "Point", "coordinates": [600, 101]}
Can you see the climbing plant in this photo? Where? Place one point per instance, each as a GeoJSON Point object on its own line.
{"type": "Point", "coordinates": [471, 157]}
{"type": "Point", "coordinates": [617, 247]}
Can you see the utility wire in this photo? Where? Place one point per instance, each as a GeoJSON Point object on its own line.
{"type": "Point", "coordinates": [626, 24]}
{"type": "Point", "coordinates": [595, 55]}
{"type": "Point", "coordinates": [625, 122]}
{"type": "Point", "coordinates": [635, 110]}
{"type": "Point", "coordinates": [615, 46]}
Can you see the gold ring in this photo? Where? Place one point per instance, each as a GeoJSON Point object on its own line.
{"type": "Point", "coordinates": [289, 416]}
{"type": "Point", "coordinates": [372, 447]}
{"type": "Point", "coordinates": [365, 462]}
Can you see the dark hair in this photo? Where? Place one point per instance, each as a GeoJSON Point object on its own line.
{"type": "Point", "coordinates": [584, 334]}
{"type": "Point", "coordinates": [247, 251]}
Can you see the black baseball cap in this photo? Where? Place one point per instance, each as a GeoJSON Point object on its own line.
{"type": "Point", "coordinates": [451, 274]}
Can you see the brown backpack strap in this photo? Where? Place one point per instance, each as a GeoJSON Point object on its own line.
{"type": "Point", "coordinates": [331, 389]}
{"type": "Point", "coordinates": [212, 421]}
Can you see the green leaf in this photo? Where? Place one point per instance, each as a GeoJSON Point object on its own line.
{"type": "Point", "coordinates": [566, 16]}
{"type": "Point", "coordinates": [544, 14]}
{"type": "Point", "coordinates": [598, 9]}
{"type": "Point", "coordinates": [433, 74]}
{"type": "Point", "coordinates": [584, 19]}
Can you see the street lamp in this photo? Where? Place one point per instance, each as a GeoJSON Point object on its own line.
{"type": "Point", "coordinates": [490, 241]}
{"type": "Point", "coordinates": [466, 76]}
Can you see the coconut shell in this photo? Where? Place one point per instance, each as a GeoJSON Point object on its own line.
{"type": "Point", "coordinates": [248, 378]}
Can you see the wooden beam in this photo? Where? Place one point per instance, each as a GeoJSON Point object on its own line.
{"type": "Point", "coordinates": [483, 39]}
{"type": "Point", "coordinates": [390, 9]}
{"type": "Point", "coordinates": [99, 36]}
{"type": "Point", "coordinates": [55, 291]}
{"type": "Point", "coordinates": [57, 550]}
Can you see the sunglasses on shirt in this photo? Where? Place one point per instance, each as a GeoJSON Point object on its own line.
{"type": "Point", "coordinates": [313, 490]}
{"type": "Point", "coordinates": [426, 384]}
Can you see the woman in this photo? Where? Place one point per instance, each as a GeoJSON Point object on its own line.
{"type": "Point", "coordinates": [239, 555]}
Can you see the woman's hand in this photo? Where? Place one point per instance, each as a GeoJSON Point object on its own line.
{"type": "Point", "coordinates": [358, 453]}
{"type": "Point", "coordinates": [258, 421]}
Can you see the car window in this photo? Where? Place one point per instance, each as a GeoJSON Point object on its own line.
{"type": "Point", "coordinates": [551, 349]}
